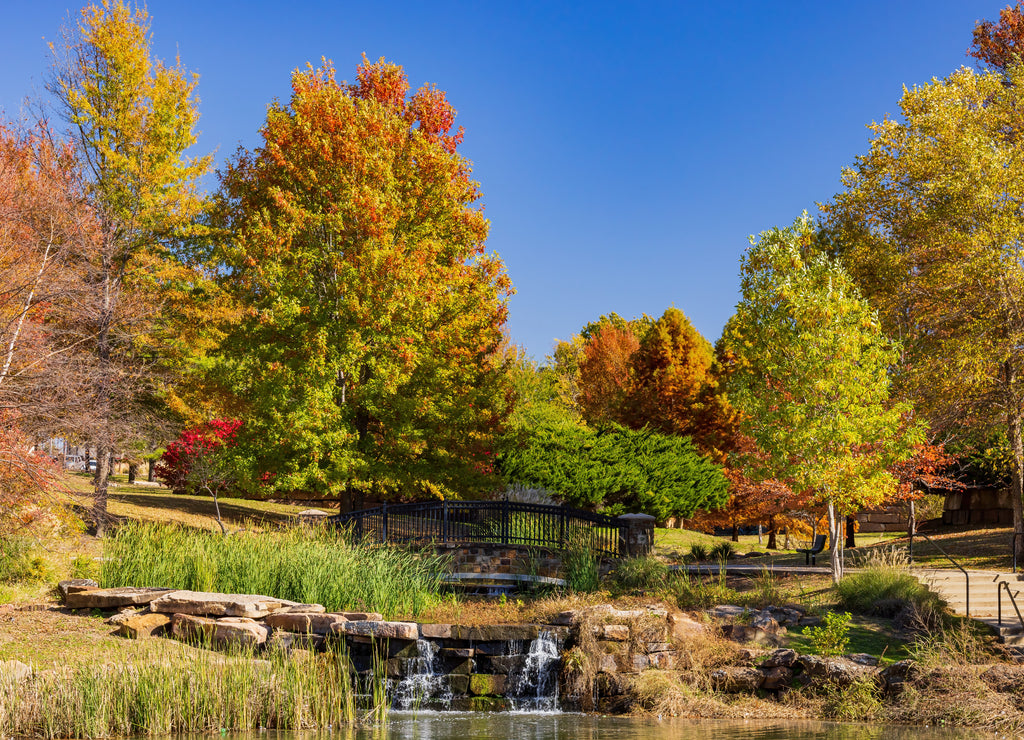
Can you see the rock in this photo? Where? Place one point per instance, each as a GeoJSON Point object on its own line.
{"type": "Point", "coordinates": [1006, 679]}
{"type": "Point", "coordinates": [458, 653]}
{"type": "Point", "coordinates": [664, 660]}
{"type": "Point", "coordinates": [496, 632]}
{"type": "Point", "coordinates": [615, 632]}
{"type": "Point", "coordinates": [863, 659]}
{"type": "Point", "coordinates": [312, 516]}
{"type": "Point", "coordinates": [199, 603]}
{"type": "Point", "coordinates": [727, 611]}
{"type": "Point", "coordinates": [13, 671]}
{"type": "Point", "coordinates": [118, 619]}
{"type": "Point", "coordinates": [682, 627]}
{"type": "Point", "coordinates": [302, 622]}
{"type": "Point", "coordinates": [459, 684]}
{"type": "Point", "coordinates": [782, 657]}
{"type": "Point", "coordinates": [765, 622]}
{"type": "Point", "coordinates": [435, 631]}
{"type": "Point", "coordinates": [785, 615]}
{"type": "Point", "coordinates": [736, 679]}
{"type": "Point", "coordinates": [362, 616]}
{"type": "Point", "coordinates": [75, 585]}
{"type": "Point", "coordinates": [895, 675]}
{"type": "Point", "coordinates": [112, 598]}
{"type": "Point", "coordinates": [777, 678]}
{"type": "Point", "coordinates": [228, 631]}
{"type": "Point", "coordinates": [840, 671]}
{"type": "Point", "coordinates": [749, 633]}
{"type": "Point", "coordinates": [483, 684]}
{"type": "Point", "coordinates": [658, 647]}
{"type": "Point", "coordinates": [506, 664]}
{"type": "Point", "coordinates": [611, 684]}
{"type": "Point", "coordinates": [140, 626]}
{"type": "Point", "coordinates": [302, 609]}
{"type": "Point", "coordinates": [378, 630]}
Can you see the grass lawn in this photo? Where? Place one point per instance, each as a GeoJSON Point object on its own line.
{"type": "Point", "coordinates": [869, 635]}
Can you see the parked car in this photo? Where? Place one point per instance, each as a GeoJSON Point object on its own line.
{"type": "Point", "coordinates": [75, 462]}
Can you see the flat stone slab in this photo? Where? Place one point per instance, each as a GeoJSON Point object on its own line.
{"type": "Point", "coordinates": [362, 616]}
{"type": "Point", "coordinates": [112, 598]}
{"type": "Point", "coordinates": [302, 609]}
{"type": "Point", "coordinates": [303, 623]}
{"type": "Point", "coordinates": [233, 631]}
{"type": "Point", "coordinates": [378, 630]}
{"type": "Point", "coordinates": [497, 632]}
{"type": "Point", "coordinates": [74, 585]}
{"type": "Point", "coordinates": [199, 603]}
{"type": "Point", "coordinates": [141, 626]}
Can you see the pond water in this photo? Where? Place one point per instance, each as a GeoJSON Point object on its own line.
{"type": "Point", "coordinates": [539, 726]}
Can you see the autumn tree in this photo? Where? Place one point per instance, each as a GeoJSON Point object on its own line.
{"type": "Point", "coordinates": [130, 120]}
{"type": "Point", "coordinates": [368, 348]}
{"type": "Point", "coordinates": [999, 45]}
{"type": "Point", "coordinates": [604, 373]}
{"type": "Point", "coordinates": [811, 378]}
{"type": "Point", "coordinates": [930, 227]}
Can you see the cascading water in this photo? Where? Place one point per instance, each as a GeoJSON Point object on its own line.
{"type": "Point", "coordinates": [534, 686]}
{"type": "Point", "coordinates": [424, 686]}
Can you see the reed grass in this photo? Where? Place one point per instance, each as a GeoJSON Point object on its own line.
{"type": "Point", "coordinates": [301, 564]}
{"type": "Point", "coordinates": [208, 692]}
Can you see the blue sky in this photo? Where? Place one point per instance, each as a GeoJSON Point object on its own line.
{"type": "Point", "coordinates": [625, 150]}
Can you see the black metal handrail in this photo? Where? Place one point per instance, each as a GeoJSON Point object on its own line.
{"type": "Point", "coordinates": [999, 602]}
{"type": "Point", "coordinates": [1013, 547]}
{"type": "Point", "coordinates": [967, 577]}
{"type": "Point", "coordinates": [488, 522]}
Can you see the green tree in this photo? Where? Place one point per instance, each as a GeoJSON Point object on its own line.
{"type": "Point", "coordinates": [811, 378]}
{"type": "Point", "coordinates": [617, 470]}
{"type": "Point", "coordinates": [931, 228]}
{"type": "Point", "coordinates": [130, 120]}
{"type": "Point", "coordinates": [368, 351]}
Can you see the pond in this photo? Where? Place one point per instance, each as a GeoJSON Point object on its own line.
{"type": "Point", "coordinates": [554, 726]}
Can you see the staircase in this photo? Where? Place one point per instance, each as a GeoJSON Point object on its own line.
{"type": "Point", "coordinates": [950, 584]}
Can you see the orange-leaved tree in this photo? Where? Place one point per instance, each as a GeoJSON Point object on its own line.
{"type": "Point", "coordinates": [368, 352]}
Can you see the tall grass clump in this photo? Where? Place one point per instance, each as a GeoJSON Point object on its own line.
{"type": "Point", "coordinates": [581, 564]}
{"type": "Point", "coordinates": [885, 589]}
{"type": "Point", "coordinates": [633, 575]}
{"type": "Point", "coordinates": [308, 565]}
{"type": "Point", "coordinates": [201, 694]}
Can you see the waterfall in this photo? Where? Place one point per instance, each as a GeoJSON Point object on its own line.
{"type": "Point", "coordinates": [424, 684]}
{"type": "Point", "coordinates": [534, 686]}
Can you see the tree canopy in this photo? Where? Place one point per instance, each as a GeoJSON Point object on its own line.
{"type": "Point", "coordinates": [811, 376]}
{"type": "Point", "coordinates": [368, 349]}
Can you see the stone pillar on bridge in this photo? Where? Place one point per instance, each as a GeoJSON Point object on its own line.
{"type": "Point", "coordinates": [636, 535]}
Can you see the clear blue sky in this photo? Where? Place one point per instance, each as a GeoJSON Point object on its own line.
{"type": "Point", "coordinates": [625, 150]}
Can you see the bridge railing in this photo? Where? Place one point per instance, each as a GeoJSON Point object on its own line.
{"type": "Point", "coordinates": [489, 522]}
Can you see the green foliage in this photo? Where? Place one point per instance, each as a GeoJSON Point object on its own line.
{"type": "Point", "coordinates": [633, 575]}
{"type": "Point", "coordinates": [617, 470]}
{"type": "Point", "coordinates": [303, 565]}
{"type": "Point", "coordinates": [698, 553]}
{"type": "Point", "coordinates": [884, 591]}
{"type": "Point", "coordinates": [722, 551]}
{"type": "Point", "coordinates": [831, 637]}
{"type": "Point", "coordinates": [692, 592]}
{"type": "Point", "coordinates": [21, 561]}
{"type": "Point", "coordinates": [581, 566]}
{"type": "Point", "coordinates": [85, 567]}
{"type": "Point", "coordinates": [857, 702]}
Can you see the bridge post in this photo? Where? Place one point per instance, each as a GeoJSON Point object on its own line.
{"type": "Point", "coordinates": [444, 521]}
{"type": "Point", "coordinates": [636, 535]}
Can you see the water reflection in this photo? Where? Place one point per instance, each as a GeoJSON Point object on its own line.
{"type": "Point", "coordinates": [534, 726]}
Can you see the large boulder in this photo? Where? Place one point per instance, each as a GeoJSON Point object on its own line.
{"type": "Point", "coordinates": [112, 598]}
{"type": "Point", "coordinates": [200, 603]}
{"type": "Point", "coordinates": [217, 633]}
{"type": "Point", "coordinates": [736, 679]}
{"type": "Point", "coordinates": [818, 669]}
{"type": "Point", "coordinates": [139, 626]}
{"type": "Point", "coordinates": [303, 622]}
{"type": "Point", "coordinates": [74, 585]}
{"type": "Point", "coordinates": [377, 630]}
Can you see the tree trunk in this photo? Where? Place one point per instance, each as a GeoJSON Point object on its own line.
{"type": "Point", "coordinates": [773, 534]}
{"type": "Point", "coordinates": [834, 543]}
{"type": "Point", "coordinates": [152, 468]}
{"type": "Point", "coordinates": [911, 520]}
{"type": "Point", "coordinates": [1017, 480]}
{"type": "Point", "coordinates": [104, 451]}
{"type": "Point", "coordinates": [133, 470]}
{"type": "Point", "coordinates": [851, 530]}
{"type": "Point", "coordinates": [102, 482]}
{"type": "Point", "coordinates": [735, 532]}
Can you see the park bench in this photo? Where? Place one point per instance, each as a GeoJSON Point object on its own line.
{"type": "Point", "coordinates": [810, 553]}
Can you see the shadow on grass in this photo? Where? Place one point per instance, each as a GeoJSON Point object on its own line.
{"type": "Point", "coordinates": [233, 511]}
